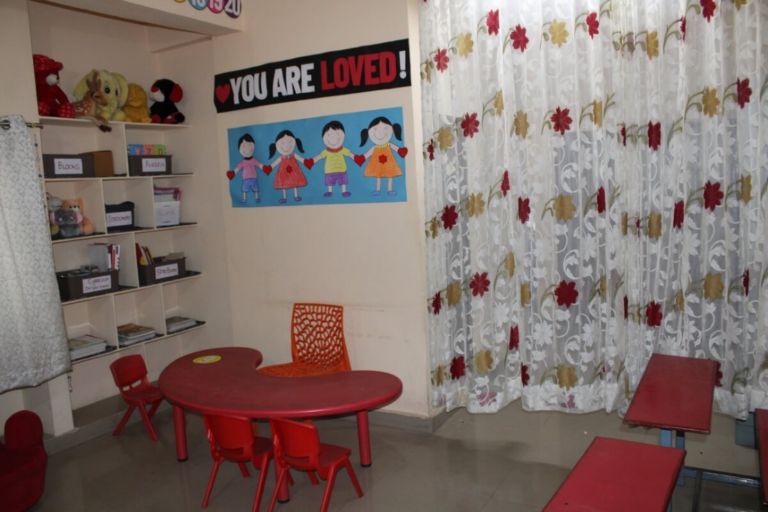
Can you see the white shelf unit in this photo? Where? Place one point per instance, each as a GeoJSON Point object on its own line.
{"type": "Point", "coordinates": [148, 305]}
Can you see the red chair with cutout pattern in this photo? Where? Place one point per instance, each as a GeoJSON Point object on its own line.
{"type": "Point", "coordinates": [297, 445]}
{"type": "Point", "coordinates": [317, 342]}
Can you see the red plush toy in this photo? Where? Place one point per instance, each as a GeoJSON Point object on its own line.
{"type": "Point", "coordinates": [51, 100]}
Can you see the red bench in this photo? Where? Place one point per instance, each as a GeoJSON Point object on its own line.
{"type": "Point", "coordinates": [615, 475]}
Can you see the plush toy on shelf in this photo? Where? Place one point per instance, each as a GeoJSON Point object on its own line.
{"type": "Point", "coordinates": [136, 109]}
{"type": "Point", "coordinates": [113, 87]}
{"type": "Point", "coordinates": [165, 94]}
{"type": "Point", "coordinates": [68, 222]}
{"type": "Point", "coordinates": [54, 204]}
{"type": "Point", "coordinates": [86, 227]}
{"type": "Point", "coordinates": [51, 100]}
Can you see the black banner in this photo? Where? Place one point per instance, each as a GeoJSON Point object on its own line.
{"type": "Point", "coordinates": [362, 69]}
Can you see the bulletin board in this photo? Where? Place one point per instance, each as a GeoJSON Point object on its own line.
{"type": "Point", "coordinates": [346, 158]}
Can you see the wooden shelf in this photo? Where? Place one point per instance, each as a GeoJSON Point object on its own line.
{"type": "Point", "coordinates": [183, 225]}
{"type": "Point", "coordinates": [63, 121]}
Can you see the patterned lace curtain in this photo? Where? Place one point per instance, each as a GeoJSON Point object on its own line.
{"type": "Point", "coordinates": [596, 174]}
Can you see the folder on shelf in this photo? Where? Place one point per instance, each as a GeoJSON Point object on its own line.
{"type": "Point", "coordinates": [178, 323]}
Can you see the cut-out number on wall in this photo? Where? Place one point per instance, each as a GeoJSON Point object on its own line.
{"type": "Point", "coordinates": [216, 6]}
{"type": "Point", "coordinates": [199, 4]}
{"type": "Point", "coordinates": [233, 8]}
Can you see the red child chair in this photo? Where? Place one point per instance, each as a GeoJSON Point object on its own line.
{"type": "Point", "coordinates": [235, 439]}
{"type": "Point", "coordinates": [22, 462]}
{"type": "Point", "coordinates": [317, 342]}
{"type": "Point", "coordinates": [297, 445]}
{"type": "Point", "coordinates": [130, 374]}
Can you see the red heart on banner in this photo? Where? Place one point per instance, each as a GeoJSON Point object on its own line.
{"type": "Point", "coordinates": [402, 152]}
{"type": "Point", "coordinates": [230, 175]}
{"type": "Point", "coordinates": [359, 159]}
{"type": "Point", "coordinates": [223, 92]}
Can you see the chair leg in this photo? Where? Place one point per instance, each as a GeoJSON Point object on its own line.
{"type": "Point", "coordinates": [313, 478]}
{"type": "Point", "coordinates": [243, 469]}
{"type": "Point", "coordinates": [280, 475]}
{"type": "Point", "coordinates": [147, 422]}
{"type": "Point", "coordinates": [353, 477]}
{"type": "Point", "coordinates": [262, 481]}
{"type": "Point", "coordinates": [124, 420]}
{"type": "Point", "coordinates": [216, 464]}
{"type": "Point", "coordinates": [154, 408]}
{"type": "Point", "coordinates": [329, 487]}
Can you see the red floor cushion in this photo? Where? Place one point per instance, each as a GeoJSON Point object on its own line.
{"type": "Point", "coordinates": [22, 462]}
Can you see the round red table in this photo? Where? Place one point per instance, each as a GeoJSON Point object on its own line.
{"type": "Point", "coordinates": [232, 386]}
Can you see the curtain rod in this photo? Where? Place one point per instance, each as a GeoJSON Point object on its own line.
{"type": "Point", "coordinates": [5, 124]}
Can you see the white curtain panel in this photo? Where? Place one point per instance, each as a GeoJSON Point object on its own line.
{"type": "Point", "coordinates": [596, 177]}
{"type": "Point", "coordinates": [33, 340]}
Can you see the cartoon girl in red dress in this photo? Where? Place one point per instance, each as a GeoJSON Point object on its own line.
{"type": "Point", "coordinates": [289, 174]}
{"type": "Point", "coordinates": [382, 162]}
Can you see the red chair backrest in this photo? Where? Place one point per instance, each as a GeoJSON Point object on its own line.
{"type": "Point", "coordinates": [296, 440]}
{"type": "Point", "coordinates": [128, 369]}
{"type": "Point", "coordinates": [229, 433]}
{"type": "Point", "coordinates": [317, 336]}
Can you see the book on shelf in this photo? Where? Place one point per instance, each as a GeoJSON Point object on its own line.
{"type": "Point", "coordinates": [128, 334]}
{"type": "Point", "coordinates": [87, 345]}
{"type": "Point", "coordinates": [105, 256]}
{"type": "Point", "coordinates": [178, 323]}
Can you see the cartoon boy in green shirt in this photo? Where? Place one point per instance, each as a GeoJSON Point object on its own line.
{"type": "Point", "coordinates": [334, 153]}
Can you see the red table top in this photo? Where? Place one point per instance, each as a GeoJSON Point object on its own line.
{"type": "Point", "coordinates": [233, 386]}
{"type": "Point", "coordinates": [761, 417]}
{"type": "Point", "coordinates": [615, 475]}
{"type": "Point", "coordinates": [675, 393]}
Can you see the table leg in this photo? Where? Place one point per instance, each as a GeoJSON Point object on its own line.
{"type": "Point", "coordinates": [364, 438]}
{"type": "Point", "coordinates": [180, 430]}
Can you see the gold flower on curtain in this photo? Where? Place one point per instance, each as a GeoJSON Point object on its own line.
{"type": "Point", "coordinates": [564, 207]}
{"type": "Point", "coordinates": [521, 124]}
{"type": "Point", "coordinates": [453, 294]}
{"type": "Point", "coordinates": [483, 361]}
{"type": "Point", "coordinates": [713, 286]}
{"type": "Point", "coordinates": [475, 205]}
{"type": "Point", "coordinates": [558, 34]}
{"type": "Point", "coordinates": [566, 377]}
{"type": "Point", "coordinates": [710, 102]}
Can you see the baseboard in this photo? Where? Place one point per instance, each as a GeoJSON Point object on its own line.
{"type": "Point", "coordinates": [426, 425]}
{"type": "Point", "coordinates": [95, 422]}
{"type": "Point", "coordinates": [96, 428]}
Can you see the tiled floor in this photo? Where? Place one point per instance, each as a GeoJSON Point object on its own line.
{"type": "Point", "coordinates": [511, 461]}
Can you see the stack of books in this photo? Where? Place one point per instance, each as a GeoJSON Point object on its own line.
{"type": "Point", "coordinates": [129, 334]}
{"type": "Point", "coordinates": [178, 323]}
{"type": "Point", "coordinates": [85, 346]}
{"type": "Point", "coordinates": [105, 256]}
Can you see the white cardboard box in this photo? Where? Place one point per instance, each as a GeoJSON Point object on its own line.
{"type": "Point", "coordinates": [168, 213]}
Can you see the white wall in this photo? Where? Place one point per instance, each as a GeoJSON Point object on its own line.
{"type": "Point", "coordinates": [367, 257]}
